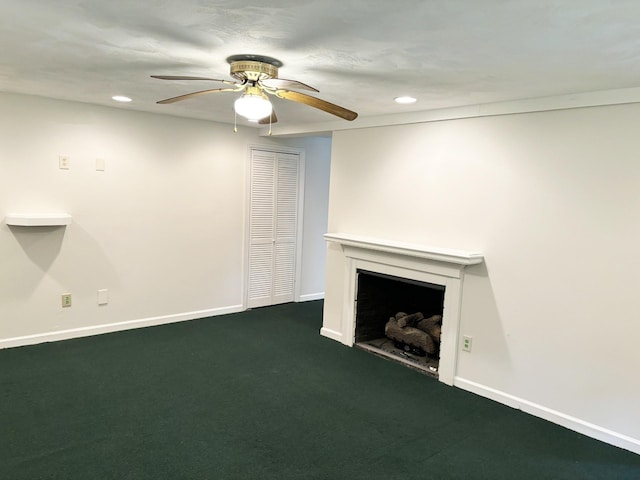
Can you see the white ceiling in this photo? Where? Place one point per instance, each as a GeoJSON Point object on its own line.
{"type": "Point", "coordinates": [358, 54]}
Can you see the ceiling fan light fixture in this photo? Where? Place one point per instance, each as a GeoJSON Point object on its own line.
{"type": "Point", "coordinates": [253, 105]}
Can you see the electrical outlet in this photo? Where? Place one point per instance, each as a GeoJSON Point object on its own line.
{"type": "Point", "coordinates": [66, 299]}
{"type": "Point", "coordinates": [467, 343]}
{"type": "Point", "coordinates": [63, 162]}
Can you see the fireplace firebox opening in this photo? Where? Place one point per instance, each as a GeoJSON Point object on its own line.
{"type": "Point", "coordinates": [400, 319]}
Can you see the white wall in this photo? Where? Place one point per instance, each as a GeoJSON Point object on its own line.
{"type": "Point", "coordinates": [316, 204]}
{"type": "Point", "coordinates": [162, 228]}
{"type": "Point", "coordinates": [551, 200]}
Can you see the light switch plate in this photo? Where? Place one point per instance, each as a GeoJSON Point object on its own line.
{"type": "Point", "coordinates": [103, 297]}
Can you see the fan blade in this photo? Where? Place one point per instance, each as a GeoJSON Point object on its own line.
{"type": "Point", "coordinates": [196, 94]}
{"type": "Point", "coordinates": [283, 83]}
{"type": "Point", "coordinates": [266, 121]}
{"type": "Point", "coordinates": [331, 108]}
{"type": "Point", "coordinates": [180, 77]}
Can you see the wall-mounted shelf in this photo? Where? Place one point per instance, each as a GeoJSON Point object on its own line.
{"type": "Point", "coordinates": [38, 219]}
{"type": "Point", "coordinates": [454, 257]}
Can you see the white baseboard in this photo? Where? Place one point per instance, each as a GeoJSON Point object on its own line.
{"type": "Point", "coordinates": [114, 327]}
{"type": "Point", "coordinates": [312, 296]}
{"type": "Point", "coordinates": [559, 418]}
{"type": "Point", "coordinates": [332, 334]}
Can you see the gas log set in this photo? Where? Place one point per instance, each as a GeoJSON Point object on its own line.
{"type": "Point", "coordinates": [414, 333]}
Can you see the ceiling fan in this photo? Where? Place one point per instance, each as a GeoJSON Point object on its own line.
{"type": "Point", "coordinates": [256, 76]}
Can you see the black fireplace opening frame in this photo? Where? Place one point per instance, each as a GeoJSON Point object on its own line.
{"type": "Point", "coordinates": [381, 296]}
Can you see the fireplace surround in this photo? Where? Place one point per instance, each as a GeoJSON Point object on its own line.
{"type": "Point", "coordinates": [420, 263]}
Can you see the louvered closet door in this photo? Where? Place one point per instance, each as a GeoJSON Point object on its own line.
{"type": "Point", "coordinates": [286, 227]}
{"type": "Point", "coordinates": [273, 227]}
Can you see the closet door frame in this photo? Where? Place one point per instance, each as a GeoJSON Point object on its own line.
{"type": "Point", "coordinates": [247, 216]}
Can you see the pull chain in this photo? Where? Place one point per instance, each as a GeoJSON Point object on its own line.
{"type": "Point", "coordinates": [235, 121]}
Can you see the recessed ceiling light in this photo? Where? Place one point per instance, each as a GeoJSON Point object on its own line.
{"type": "Point", "coordinates": [121, 98]}
{"type": "Point", "coordinates": [405, 100]}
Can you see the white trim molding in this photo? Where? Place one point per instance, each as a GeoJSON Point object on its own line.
{"type": "Point", "coordinates": [114, 327]}
{"type": "Point", "coordinates": [510, 107]}
{"type": "Point", "coordinates": [332, 334]}
{"type": "Point", "coordinates": [311, 296]}
{"type": "Point", "coordinates": [553, 416]}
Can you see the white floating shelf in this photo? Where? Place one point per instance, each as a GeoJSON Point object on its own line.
{"type": "Point", "coordinates": [38, 219]}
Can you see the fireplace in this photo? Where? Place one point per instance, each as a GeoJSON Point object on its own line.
{"type": "Point", "coordinates": [400, 319]}
{"type": "Point", "coordinates": [414, 266]}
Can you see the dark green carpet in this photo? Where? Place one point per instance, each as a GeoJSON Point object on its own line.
{"type": "Point", "coordinates": [261, 395]}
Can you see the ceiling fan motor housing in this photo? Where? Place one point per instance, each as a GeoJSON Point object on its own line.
{"type": "Point", "coordinates": [253, 71]}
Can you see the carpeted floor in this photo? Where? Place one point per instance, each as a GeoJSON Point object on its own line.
{"type": "Point", "coordinates": [261, 395]}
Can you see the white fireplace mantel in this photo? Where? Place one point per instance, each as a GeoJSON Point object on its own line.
{"type": "Point", "coordinates": [439, 266]}
{"type": "Point", "coordinates": [456, 257]}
